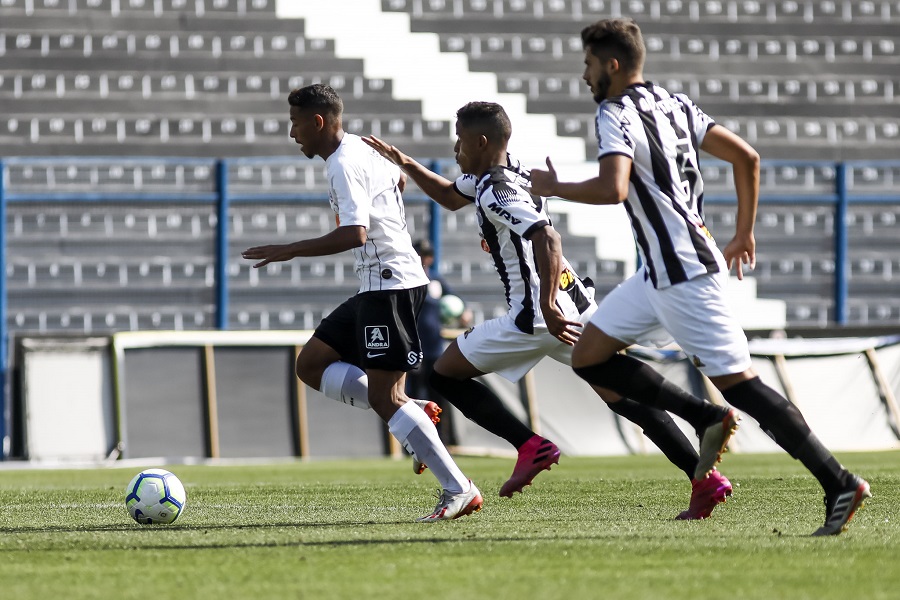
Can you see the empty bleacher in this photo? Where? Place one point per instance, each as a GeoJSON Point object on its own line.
{"type": "Point", "coordinates": [806, 80]}
{"type": "Point", "coordinates": [666, 11]}
{"type": "Point", "coordinates": [177, 78]}
{"type": "Point", "coordinates": [788, 75]}
{"type": "Point", "coordinates": [799, 80]}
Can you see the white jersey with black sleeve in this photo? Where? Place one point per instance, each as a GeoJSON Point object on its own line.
{"type": "Point", "coordinates": [509, 215]}
{"type": "Point", "coordinates": [662, 134]}
{"type": "Point", "coordinates": [364, 190]}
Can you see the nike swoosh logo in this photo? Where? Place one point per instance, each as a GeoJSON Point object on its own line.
{"type": "Point", "coordinates": [370, 355]}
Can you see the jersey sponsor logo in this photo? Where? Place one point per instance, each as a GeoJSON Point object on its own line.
{"type": "Point", "coordinates": [414, 357]}
{"type": "Point", "coordinates": [468, 331]}
{"type": "Point", "coordinates": [496, 208]}
{"type": "Point", "coordinates": [386, 273]}
{"type": "Point", "coordinates": [566, 280]}
{"type": "Point", "coordinates": [374, 354]}
{"type": "Point", "coordinates": [377, 337]}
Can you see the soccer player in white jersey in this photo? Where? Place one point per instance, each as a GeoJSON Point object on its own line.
{"type": "Point", "coordinates": [361, 352]}
{"type": "Point", "coordinates": [649, 145]}
{"type": "Point", "coordinates": [516, 230]}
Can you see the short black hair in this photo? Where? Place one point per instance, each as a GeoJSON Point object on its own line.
{"type": "Point", "coordinates": [616, 38]}
{"type": "Point", "coordinates": [318, 97]}
{"type": "Point", "coordinates": [487, 118]}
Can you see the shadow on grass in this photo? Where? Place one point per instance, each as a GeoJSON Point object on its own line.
{"type": "Point", "coordinates": [143, 529]}
{"type": "Point", "coordinates": [468, 537]}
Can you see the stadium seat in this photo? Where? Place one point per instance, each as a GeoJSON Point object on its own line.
{"type": "Point", "coordinates": [725, 11]}
{"type": "Point", "coordinates": [872, 179]}
{"type": "Point", "coordinates": [874, 311]}
{"type": "Point", "coordinates": [104, 274]}
{"type": "Point", "coordinates": [274, 222]}
{"type": "Point", "coordinates": [138, 8]}
{"type": "Point", "coordinates": [801, 80]}
{"type": "Point", "coordinates": [278, 176]}
{"type": "Point", "coordinates": [871, 224]}
{"type": "Point", "coordinates": [873, 268]}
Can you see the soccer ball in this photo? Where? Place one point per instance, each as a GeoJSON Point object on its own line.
{"type": "Point", "coordinates": [452, 308]}
{"type": "Point", "coordinates": [155, 497]}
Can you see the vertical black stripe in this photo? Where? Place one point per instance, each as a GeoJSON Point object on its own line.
{"type": "Point", "coordinates": [663, 178]}
{"type": "Point", "coordinates": [689, 114]}
{"type": "Point", "coordinates": [699, 241]}
{"type": "Point", "coordinates": [639, 234]}
{"type": "Point", "coordinates": [525, 319]}
{"type": "Point", "coordinates": [493, 241]}
{"type": "Point", "coordinates": [577, 294]}
{"type": "Point", "coordinates": [399, 198]}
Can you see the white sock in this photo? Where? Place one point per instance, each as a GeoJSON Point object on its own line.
{"type": "Point", "coordinates": [345, 383]}
{"type": "Point", "coordinates": [415, 431]}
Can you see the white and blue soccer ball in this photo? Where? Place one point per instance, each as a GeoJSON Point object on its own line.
{"type": "Point", "coordinates": [452, 308]}
{"type": "Point", "coordinates": [155, 497]}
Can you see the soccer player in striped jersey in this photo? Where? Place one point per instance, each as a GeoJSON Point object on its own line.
{"type": "Point", "coordinates": [649, 145]}
{"type": "Point", "coordinates": [548, 303]}
{"type": "Point", "coordinates": [361, 352]}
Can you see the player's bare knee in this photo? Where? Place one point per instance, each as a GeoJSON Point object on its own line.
{"type": "Point", "coordinates": [582, 357]}
{"type": "Point", "coordinates": [723, 382]}
{"type": "Point", "coordinates": [310, 368]}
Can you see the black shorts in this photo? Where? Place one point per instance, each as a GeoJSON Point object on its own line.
{"type": "Point", "coordinates": [376, 330]}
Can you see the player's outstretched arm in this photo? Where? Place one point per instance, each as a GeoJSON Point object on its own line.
{"type": "Point", "coordinates": [440, 189]}
{"type": "Point", "coordinates": [333, 242]}
{"type": "Point", "coordinates": [610, 186]}
{"type": "Point", "coordinates": [548, 253]}
{"type": "Point", "coordinates": [728, 146]}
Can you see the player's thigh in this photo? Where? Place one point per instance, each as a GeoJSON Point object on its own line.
{"type": "Point", "coordinates": [595, 347]}
{"type": "Point", "coordinates": [498, 346]}
{"type": "Point", "coordinates": [332, 340]}
{"type": "Point", "coordinates": [563, 352]}
{"type": "Point", "coordinates": [314, 358]}
{"type": "Point", "coordinates": [701, 322]}
{"type": "Point", "coordinates": [386, 332]}
{"type": "Point", "coordinates": [452, 363]}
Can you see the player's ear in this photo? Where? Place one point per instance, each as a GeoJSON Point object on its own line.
{"type": "Point", "coordinates": [614, 65]}
{"type": "Point", "coordinates": [320, 121]}
{"type": "Point", "coordinates": [482, 141]}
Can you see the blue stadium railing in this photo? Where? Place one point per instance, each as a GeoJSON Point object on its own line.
{"type": "Point", "coordinates": [219, 192]}
{"type": "Point", "coordinates": [222, 192]}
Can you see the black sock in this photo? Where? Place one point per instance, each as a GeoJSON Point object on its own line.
{"type": "Point", "coordinates": [785, 424]}
{"type": "Point", "coordinates": [634, 379]}
{"type": "Point", "coordinates": [662, 431]}
{"type": "Point", "coordinates": [483, 407]}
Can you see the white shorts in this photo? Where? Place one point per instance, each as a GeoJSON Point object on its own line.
{"type": "Point", "coordinates": [497, 346]}
{"type": "Point", "coordinates": [694, 313]}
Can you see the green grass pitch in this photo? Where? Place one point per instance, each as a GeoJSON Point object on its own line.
{"type": "Point", "coordinates": [591, 528]}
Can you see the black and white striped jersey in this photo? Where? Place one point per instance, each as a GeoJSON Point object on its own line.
{"type": "Point", "coordinates": [662, 134]}
{"type": "Point", "coordinates": [508, 215]}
